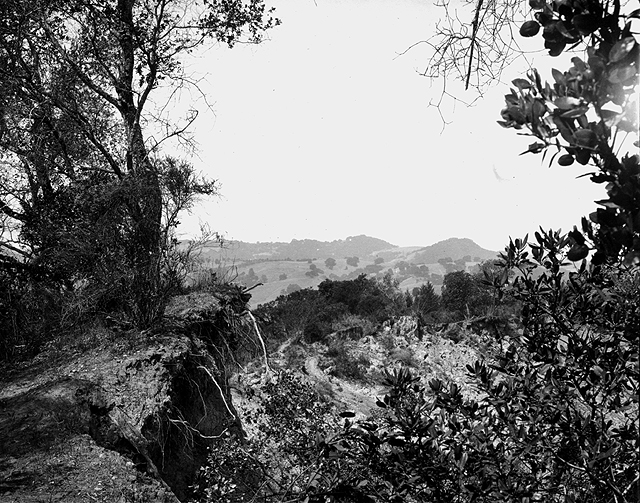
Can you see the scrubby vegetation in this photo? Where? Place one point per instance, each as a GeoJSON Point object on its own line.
{"type": "Point", "coordinates": [88, 203]}
{"type": "Point", "coordinates": [554, 416]}
{"type": "Point", "coordinates": [362, 305]}
{"type": "Point", "coordinates": [88, 215]}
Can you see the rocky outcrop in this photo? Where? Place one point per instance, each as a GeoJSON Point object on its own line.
{"type": "Point", "coordinates": [129, 420]}
{"type": "Point", "coordinates": [403, 326]}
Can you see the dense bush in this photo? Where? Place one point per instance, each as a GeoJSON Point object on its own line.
{"type": "Point", "coordinates": [316, 313]}
{"type": "Point", "coordinates": [559, 421]}
{"type": "Point", "coordinates": [463, 295]}
{"type": "Point", "coordinates": [345, 363]}
{"type": "Point", "coordinates": [281, 457]}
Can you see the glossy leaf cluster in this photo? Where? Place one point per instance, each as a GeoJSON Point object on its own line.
{"type": "Point", "coordinates": [586, 114]}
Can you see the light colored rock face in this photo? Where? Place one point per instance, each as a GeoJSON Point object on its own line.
{"type": "Point", "coordinates": [406, 327]}
{"type": "Point", "coordinates": [126, 421]}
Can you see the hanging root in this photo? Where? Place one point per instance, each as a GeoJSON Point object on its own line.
{"type": "Point", "coordinates": [264, 347]}
{"type": "Point", "coordinates": [213, 379]}
{"type": "Point", "coordinates": [189, 428]}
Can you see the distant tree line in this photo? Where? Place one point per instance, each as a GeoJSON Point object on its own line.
{"type": "Point", "coordinates": [313, 313]}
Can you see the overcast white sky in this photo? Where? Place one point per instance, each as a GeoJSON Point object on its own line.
{"type": "Point", "coordinates": [323, 132]}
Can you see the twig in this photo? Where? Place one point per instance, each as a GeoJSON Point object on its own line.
{"type": "Point", "coordinates": [474, 35]}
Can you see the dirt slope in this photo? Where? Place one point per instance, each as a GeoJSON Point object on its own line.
{"type": "Point", "coordinates": [127, 421]}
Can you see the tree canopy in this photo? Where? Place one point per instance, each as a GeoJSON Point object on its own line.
{"type": "Point", "coordinates": [84, 189]}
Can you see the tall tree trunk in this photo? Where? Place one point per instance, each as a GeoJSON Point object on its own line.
{"type": "Point", "coordinates": [144, 200]}
{"type": "Point", "coordinates": [145, 206]}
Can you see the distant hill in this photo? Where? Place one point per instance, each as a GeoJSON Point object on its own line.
{"type": "Point", "coordinates": [455, 248]}
{"type": "Point", "coordinates": [359, 246]}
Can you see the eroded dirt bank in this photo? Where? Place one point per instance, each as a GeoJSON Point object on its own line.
{"type": "Point", "coordinates": [129, 420]}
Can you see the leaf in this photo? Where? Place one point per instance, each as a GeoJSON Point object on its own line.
{"type": "Point", "coordinates": [566, 102]}
{"type": "Point", "coordinates": [558, 76]}
{"type": "Point", "coordinates": [621, 49]}
{"type": "Point", "coordinates": [585, 23]}
{"type": "Point", "coordinates": [579, 64]}
{"type": "Point", "coordinates": [577, 236]}
{"type": "Point", "coordinates": [522, 84]}
{"type": "Point", "coordinates": [565, 160]}
{"type": "Point", "coordinates": [632, 258]}
{"type": "Point", "coordinates": [544, 18]}
{"type": "Point", "coordinates": [529, 28]}
{"type": "Point", "coordinates": [578, 252]}
{"type": "Point", "coordinates": [585, 138]}
{"type": "Point", "coordinates": [621, 74]}
{"type": "Point", "coordinates": [575, 112]}
{"type": "Point", "coordinates": [583, 155]}
{"type": "Point", "coordinates": [538, 108]}
{"type": "Point", "coordinates": [562, 28]}
{"type": "Point", "coordinates": [564, 130]}
{"type": "Point", "coordinates": [627, 126]}
{"type": "Point", "coordinates": [463, 460]}
{"type": "Point", "coordinates": [535, 148]}
{"type": "Point", "coordinates": [555, 47]}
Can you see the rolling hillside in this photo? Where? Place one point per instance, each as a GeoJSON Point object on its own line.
{"type": "Point", "coordinates": [283, 267]}
{"type": "Point", "coordinates": [298, 249]}
{"type": "Point", "coordinates": [455, 248]}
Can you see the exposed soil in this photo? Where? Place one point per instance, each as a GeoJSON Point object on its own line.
{"type": "Point", "coordinates": [128, 420]}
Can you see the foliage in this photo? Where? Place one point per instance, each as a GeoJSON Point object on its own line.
{"type": "Point", "coordinates": [350, 321]}
{"type": "Point", "coordinates": [353, 261]}
{"type": "Point", "coordinates": [85, 198]}
{"type": "Point", "coordinates": [316, 313]}
{"type": "Point", "coordinates": [313, 271]}
{"type": "Point", "coordinates": [362, 296]}
{"type": "Point", "coordinates": [29, 314]}
{"type": "Point", "coordinates": [424, 302]}
{"type": "Point", "coordinates": [294, 314]}
{"type": "Point", "coordinates": [277, 462]}
{"type": "Point", "coordinates": [330, 263]}
{"type": "Point", "coordinates": [585, 115]}
{"type": "Point", "coordinates": [557, 417]}
{"type": "Point", "coordinates": [463, 294]}
{"type": "Point", "coordinates": [345, 363]}
{"type": "Point", "coordinates": [404, 356]}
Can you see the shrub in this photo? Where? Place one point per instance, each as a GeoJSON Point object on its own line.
{"type": "Point", "coordinates": [405, 357]}
{"type": "Point", "coordinates": [279, 459]}
{"type": "Point", "coordinates": [559, 417]}
{"type": "Point", "coordinates": [387, 341]}
{"type": "Point", "coordinates": [345, 364]}
{"type": "Point", "coordinates": [30, 314]}
{"type": "Point", "coordinates": [351, 321]}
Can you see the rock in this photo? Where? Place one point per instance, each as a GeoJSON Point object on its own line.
{"type": "Point", "coordinates": [406, 326]}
